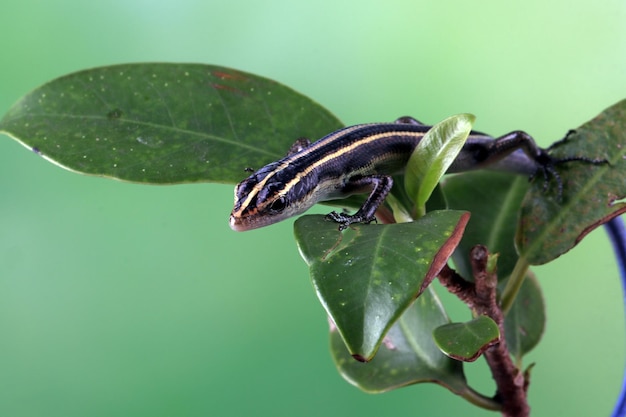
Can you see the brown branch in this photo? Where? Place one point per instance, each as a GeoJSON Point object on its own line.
{"type": "Point", "coordinates": [480, 296]}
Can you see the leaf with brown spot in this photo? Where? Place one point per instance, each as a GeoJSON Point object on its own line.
{"type": "Point", "coordinates": [592, 194]}
{"type": "Point", "coordinates": [164, 123]}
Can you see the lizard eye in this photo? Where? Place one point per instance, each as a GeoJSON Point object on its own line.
{"type": "Point", "coordinates": [278, 205]}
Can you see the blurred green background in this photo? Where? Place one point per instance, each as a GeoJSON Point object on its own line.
{"type": "Point", "coordinates": [126, 300]}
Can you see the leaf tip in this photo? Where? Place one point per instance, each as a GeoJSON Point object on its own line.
{"type": "Point", "coordinates": [468, 118]}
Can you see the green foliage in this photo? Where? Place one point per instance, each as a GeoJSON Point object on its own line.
{"type": "Point", "coordinates": [526, 320]}
{"type": "Point", "coordinates": [433, 156]}
{"type": "Point", "coordinates": [494, 199]}
{"type": "Point", "coordinates": [164, 123]}
{"type": "Point", "coordinates": [592, 195]}
{"type": "Point", "coordinates": [368, 275]}
{"type": "Point", "coordinates": [408, 354]}
{"type": "Point", "coordinates": [467, 341]}
{"type": "Point", "coordinates": [177, 123]}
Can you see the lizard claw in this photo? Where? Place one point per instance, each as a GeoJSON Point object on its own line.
{"type": "Point", "coordinates": [548, 169]}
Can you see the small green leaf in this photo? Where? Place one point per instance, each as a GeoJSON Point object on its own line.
{"type": "Point", "coordinates": [164, 123]}
{"type": "Point", "coordinates": [467, 341]}
{"type": "Point", "coordinates": [366, 276]}
{"type": "Point", "coordinates": [525, 322]}
{"type": "Point", "coordinates": [408, 354]}
{"type": "Point", "coordinates": [433, 156]}
{"type": "Point", "coordinates": [494, 199]}
{"type": "Point", "coordinates": [592, 194]}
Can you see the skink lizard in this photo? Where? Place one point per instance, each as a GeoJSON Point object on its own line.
{"type": "Point", "coordinates": [361, 159]}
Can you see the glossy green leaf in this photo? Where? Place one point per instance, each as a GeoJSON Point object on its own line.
{"type": "Point", "coordinates": [467, 341]}
{"type": "Point", "coordinates": [164, 123]}
{"type": "Point", "coordinates": [433, 156]}
{"type": "Point", "coordinates": [408, 354]}
{"type": "Point", "coordinates": [494, 200]}
{"type": "Point", "coordinates": [368, 275]}
{"type": "Point", "coordinates": [592, 194]}
{"type": "Point", "coordinates": [526, 320]}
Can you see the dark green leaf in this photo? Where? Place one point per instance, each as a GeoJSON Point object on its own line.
{"type": "Point", "coordinates": [408, 354]}
{"type": "Point", "coordinates": [164, 123]}
{"type": "Point", "coordinates": [592, 194]}
{"type": "Point", "coordinates": [433, 156]}
{"type": "Point", "coordinates": [526, 320]}
{"type": "Point", "coordinates": [367, 275]}
{"type": "Point", "coordinates": [467, 341]}
{"type": "Point", "coordinates": [494, 200]}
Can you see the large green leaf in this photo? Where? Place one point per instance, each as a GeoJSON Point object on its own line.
{"type": "Point", "coordinates": [408, 354]}
{"type": "Point", "coordinates": [592, 194]}
{"type": "Point", "coordinates": [494, 200]}
{"type": "Point", "coordinates": [164, 123]}
{"type": "Point", "coordinates": [367, 275]}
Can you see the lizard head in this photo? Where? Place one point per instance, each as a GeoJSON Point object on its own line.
{"type": "Point", "coordinates": [272, 194]}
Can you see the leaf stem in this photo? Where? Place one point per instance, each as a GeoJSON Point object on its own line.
{"type": "Point", "coordinates": [514, 284]}
{"type": "Point", "coordinates": [480, 400]}
{"type": "Point", "coordinates": [420, 211]}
